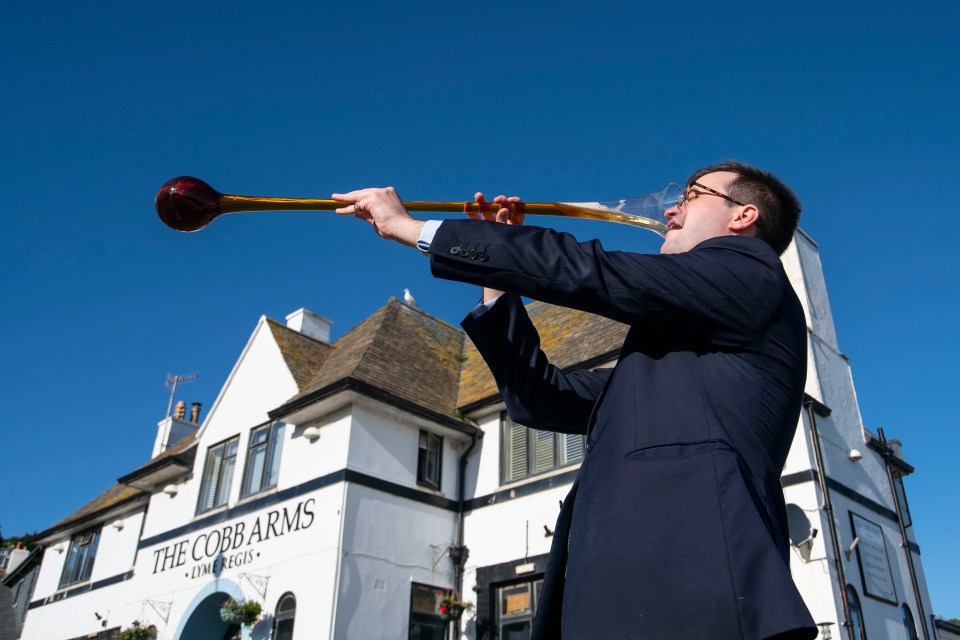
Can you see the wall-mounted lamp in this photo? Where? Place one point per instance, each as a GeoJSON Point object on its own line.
{"type": "Point", "coordinates": [312, 433]}
{"type": "Point", "coordinates": [60, 548]}
{"type": "Point", "coordinates": [855, 455]}
{"type": "Point", "coordinates": [849, 552]}
{"type": "Point", "coordinates": [101, 619]}
{"type": "Point", "coordinates": [117, 524]}
{"type": "Point", "coordinates": [171, 490]}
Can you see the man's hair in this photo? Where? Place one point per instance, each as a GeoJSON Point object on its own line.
{"type": "Point", "coordinates": [778, 205]}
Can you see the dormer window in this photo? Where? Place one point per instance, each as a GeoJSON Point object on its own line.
{"type": "Point", "coordinates": [218, 475]}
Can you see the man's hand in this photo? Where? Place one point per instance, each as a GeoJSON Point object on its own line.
{"type": "Point", "coordinates": [383, 209]}
{"type": "Point", "coordinates": [503, 209]}
{"type": "Point", "coordinates": [500, 212]}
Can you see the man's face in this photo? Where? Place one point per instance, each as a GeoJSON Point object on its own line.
{"type": "Point", "coordinates": [702, 217]}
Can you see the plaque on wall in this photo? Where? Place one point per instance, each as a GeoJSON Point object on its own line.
{"type": "Point", "coordinates": [874, 562]}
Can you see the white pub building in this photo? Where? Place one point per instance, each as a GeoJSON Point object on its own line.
{"type": "Point", "coordinates": [345, 486]}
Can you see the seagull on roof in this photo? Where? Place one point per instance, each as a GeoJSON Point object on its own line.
{"type": "Point", "coordinates": [408, 298]}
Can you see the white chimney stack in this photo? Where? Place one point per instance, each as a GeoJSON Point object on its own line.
{"type": "Point", "coordinates": [310, 324]}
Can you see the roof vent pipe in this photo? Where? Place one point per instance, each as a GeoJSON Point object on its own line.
{"type": "Point", "coordinates": [195, 412]}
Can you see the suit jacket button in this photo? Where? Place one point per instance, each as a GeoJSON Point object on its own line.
{"type": "Point", "coordinates": [454, 250]}
{"type": "Point", "coordinates": [589, 444]}
{"type": "Point", "coordinates": [473, 254]}
{"type": "Point", "coordinates": [481, 256]}
{"type": "Point", "coordinates": [462, 252]}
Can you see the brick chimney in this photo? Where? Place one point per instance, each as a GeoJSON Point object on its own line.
{"type": "Point", "coordinates": [195, 412]}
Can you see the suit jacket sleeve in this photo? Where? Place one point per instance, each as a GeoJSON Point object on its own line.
{"type": "Point", "coordinates": [537, 394]}
{"type": "Point", "coordinates": [723, 292]}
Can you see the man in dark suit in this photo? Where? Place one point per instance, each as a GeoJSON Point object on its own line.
{"type": "Point", "coordinates": [676, 525]}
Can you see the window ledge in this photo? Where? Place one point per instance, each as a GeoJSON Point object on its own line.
{"type": "Point", "coordinates": [539, 476]}
{"type": "Point", "coordinates": [258, 494]}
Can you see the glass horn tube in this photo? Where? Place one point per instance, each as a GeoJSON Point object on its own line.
{"type": "Point", "coordinates": [190, 204]}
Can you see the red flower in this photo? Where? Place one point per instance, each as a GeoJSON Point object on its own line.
{"type": "Point", "coordinates": [443, 609]}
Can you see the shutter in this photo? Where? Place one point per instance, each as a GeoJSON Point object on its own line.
{"type": "Point", "coordinates": [543, 451]}
{"type": "Point", "coordinates": [571, 447]}
{"type": "Point", "coordinates": [515, 455]}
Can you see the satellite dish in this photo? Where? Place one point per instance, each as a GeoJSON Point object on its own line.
{"type": "Point", "coordinates": [798, 525]}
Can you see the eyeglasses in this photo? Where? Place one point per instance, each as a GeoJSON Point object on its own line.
{"type": "Point", "coordinates": [692, 194]}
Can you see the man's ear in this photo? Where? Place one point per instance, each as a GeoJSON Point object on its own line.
{"type": "Point", "coordinates": [745, 221]}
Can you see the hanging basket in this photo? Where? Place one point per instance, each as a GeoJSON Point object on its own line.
{"type": "Point", "coordinates": [228, 615]}
{"type": "Point", "coordinates": [452, 612]}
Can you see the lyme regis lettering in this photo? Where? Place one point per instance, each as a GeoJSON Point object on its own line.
{"type": "Point", "coordinates": [227, 546]}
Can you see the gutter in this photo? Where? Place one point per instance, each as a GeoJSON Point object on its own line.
{"type": "Point", "coordinates": [814, 408]}
{"type": "Point", "coordinates": [459, 553]}
{"type": "Point", "coordinates": [366, 389]}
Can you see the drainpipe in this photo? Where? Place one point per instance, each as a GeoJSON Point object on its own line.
{"type": "Point", "coordinates": [886, 452]}
{"type": "Point", "coordinates": [459, 553]}
{"type": "Point", "coordinates": [809, 404]}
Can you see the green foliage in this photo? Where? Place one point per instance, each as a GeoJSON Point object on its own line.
{"type": "Point", "coordinates": [25, 541]}
{"type": "Point", "coordinates": [137, 631]}
{"type": "Point", "coordinates": [246, 612]}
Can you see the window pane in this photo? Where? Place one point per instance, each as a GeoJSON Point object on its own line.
{"type": "Point", "coordinates": [428, 459]}
{"type": "Point", "coordinates": [516, 601]}
{"type": "Point", "coordinates": [226, 479]}
{"type": "Point", "coordinates": [276, 448]}
{"type": "Point", "coordinates": [519, 630]}
{"type": "Point", "coordinates": [543, 450]}
{"type": "Point", "coordinates": [255, 465]}
{"type": "Point", "coordinates": [259, 436]}
{"type": "Point", "coordinates": [211, 474]}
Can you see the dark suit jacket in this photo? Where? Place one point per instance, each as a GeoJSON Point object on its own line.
{"type": "Point", "coordinates": [676, 526]}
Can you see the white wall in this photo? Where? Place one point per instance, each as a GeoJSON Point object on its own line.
{"type": "Point", "coordinates": [388, 543]}
{"type": "Point", "coordinates": [259, 382]}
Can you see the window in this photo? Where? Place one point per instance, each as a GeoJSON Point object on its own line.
{"type": "Point", "coordinates": [909, 626]}
{"type": "Point", "coordinates": [263, 458]}
{"type": "Point", "coordinates": [528, 452]}
{"type": "Point", "coordinates": [283, 618]}
{"type": "Point", "coordinates": [425, 621]}
{"type": "Point", "coordinates": [856, 614]}
{"type": "Point", "coordinates": [902, 501]}
{"type": "Point", "coordinates": [218, 475]}
{"type": "Point", "coordinates": [428, 460]}
{"type": "Point", "coordinates": [80, 555]}
{"type": "Point", "coordinates": [516, 607]}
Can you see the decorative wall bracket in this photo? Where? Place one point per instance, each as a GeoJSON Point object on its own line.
{"type": "Point", "coordinates": [162, 608]}
{"type": "Point", "coordinates": [259, 583]}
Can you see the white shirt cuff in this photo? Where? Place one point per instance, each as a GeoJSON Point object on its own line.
{"type": "Point", "coordinates": [483, 307]}
{"type": "Point", "coordinates": [426, 235]}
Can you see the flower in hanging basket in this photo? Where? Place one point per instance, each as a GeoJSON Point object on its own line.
{"type": "Point", "coordinates": [245, 612]}
{"type": "Point", "coordinates": [451, 606]}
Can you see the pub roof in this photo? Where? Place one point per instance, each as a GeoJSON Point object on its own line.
{"type": "Point", "coordinates": [440, 372]}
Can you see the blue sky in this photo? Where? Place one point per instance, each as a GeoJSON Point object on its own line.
{"type": "Point", "coordinates": [103, 102]}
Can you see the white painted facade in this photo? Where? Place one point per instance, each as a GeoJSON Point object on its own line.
{"type": "Point", "coordinates": [348, 530]}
